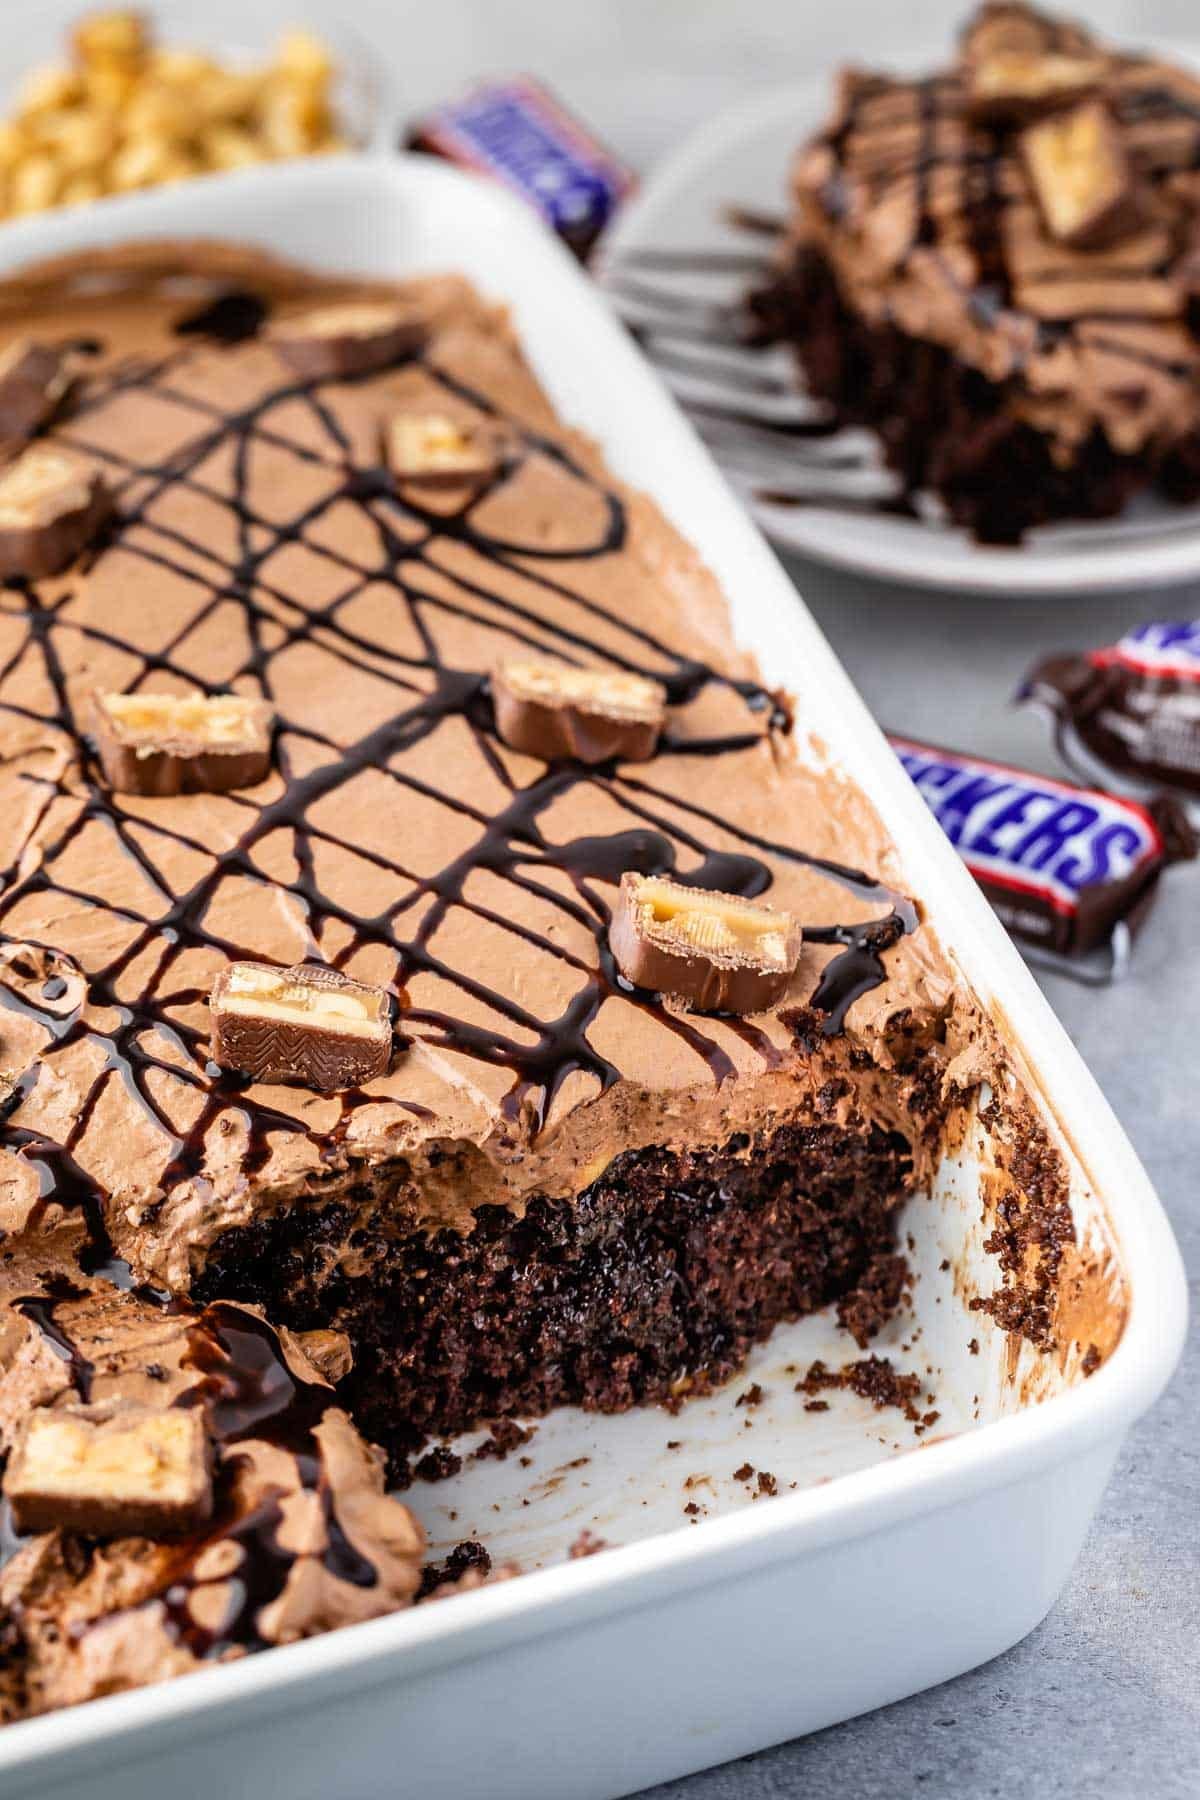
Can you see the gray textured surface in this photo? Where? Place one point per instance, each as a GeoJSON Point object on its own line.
{"type": "Point", "coordinates": [1105, 1695]}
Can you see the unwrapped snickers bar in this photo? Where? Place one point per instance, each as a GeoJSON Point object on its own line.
{"type": "Point", "coordinates": [1128, 714]}
{"type": "Point", "coordinates": [1066, 868]}
{"type": "Point", "coordinates": [516, 131]}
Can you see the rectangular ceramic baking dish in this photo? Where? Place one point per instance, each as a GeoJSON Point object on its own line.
{"type": "Point", "coordinates": [887, 1561]}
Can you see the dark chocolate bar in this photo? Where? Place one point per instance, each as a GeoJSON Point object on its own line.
{"type": "Point", "coordinates": [1062, 865]}
{"type": "Point", "coordinates": [307, 1024]}
{"type": "Point", "coordinates": [715, 952]}
{"type": "Point", "coordinates": [165, 744]}
{"type": "Point", "coordinates": [550, 710]}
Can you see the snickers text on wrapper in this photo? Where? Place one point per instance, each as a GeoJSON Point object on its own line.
{"type": "Point", "coordinates": [1061, 865]}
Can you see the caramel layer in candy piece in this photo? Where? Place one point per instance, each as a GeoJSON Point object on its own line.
{"type": "Point", "coordinates": [307, 1024]}
{"type": "Point", "coordinates": [51, 505]}
{"type": "Point", "coordinates": [355, 338]}
{"type": "Point", "coordinates": [552, 711]}
{"type": "Point", "coordinates": [431, 449]}
{"type": "Point", "coordinates": [33, 380]}
{"type": "Point", "coordinates": [165, 744]}
{"type": "Point", "coordinates": [1080, 175]}
{"type": "Point", "coordinates": [1009, 86]}
{"type": "Point", "coordinates": [131, 1474]}
{"type": "Point", "coordinates": [717, 952]}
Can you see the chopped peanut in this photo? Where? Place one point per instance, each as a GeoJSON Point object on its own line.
{"type": "Point", "coordinates": [124, 114]}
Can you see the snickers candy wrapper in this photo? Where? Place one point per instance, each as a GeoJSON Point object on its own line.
{"type": "Point", "coordinates": [1062, 865]}
{"type": "Point", "coordinates": [1127, 714]}
{"type": "Point", "coordinates": [517, 132]}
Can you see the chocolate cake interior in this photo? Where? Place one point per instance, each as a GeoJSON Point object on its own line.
{"type": "Point", "coordinates": [650, 1285]}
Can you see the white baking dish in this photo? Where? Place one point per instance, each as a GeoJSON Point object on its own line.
{"type": "Point", "coordinates": [685, 1644]}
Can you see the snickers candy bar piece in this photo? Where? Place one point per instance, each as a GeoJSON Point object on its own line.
{"type": "Point", "coordinates": [431, 450]}
{"type": "Point", "coordinates": [1080, 175]}
{"type": "Point", "coordinates": [549, 710]}
{"type": "Point", "coordinates": [52, 504]}
{"type": "Point", "coordinates": [1062, 865]}
{"type": "Point", "coordinates": [518, 133]}
{"type": "Point", "coordinates": [1128, 713]}
{"type": "Point", "coordinates": [1012, 86]}
{"type": "Point", "coordinates": [33, 380]}
{"type": "Point", "coordinates": [715, 952]}
{"type": "Point", "coordinates": [309, 1024]}
{"type": "Point", "coordinates": [136, 1473]}
{"type": "Point", "coordinates": [355, 338]}
{"type": "Point", "coordinates": [164, 744]}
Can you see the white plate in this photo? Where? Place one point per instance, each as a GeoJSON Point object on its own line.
{"type": "Point", "coordinates": [894, 1562]}
{"type": "Point", "coordinates": [741, 159]}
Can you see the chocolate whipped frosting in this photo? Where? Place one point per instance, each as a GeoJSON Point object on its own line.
{"type": "Point", "coordinates": [927, 215]}
{"type": "Point", "coordinates": [258, 545]}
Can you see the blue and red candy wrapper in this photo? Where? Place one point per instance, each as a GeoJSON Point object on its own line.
{"type": "Point", "coordinates": [517, 132]}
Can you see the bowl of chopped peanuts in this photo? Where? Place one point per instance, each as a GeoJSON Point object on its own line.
{"type": "Point", "coordinates": [124, 98]}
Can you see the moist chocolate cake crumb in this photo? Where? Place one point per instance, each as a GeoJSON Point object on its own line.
{"type": "Point", "coordinates": [469, 1556]}
{"type": "Point", "coordinates": [506, 1437]}
{"type": "Point", "coordinates": [667, 1262]}
{"type": "Point", "coordinates": [973, 1346]}
{"type": "Point", "coordinates": [873, 1379]}
{"type": "Point", "coordinates": [752, 1396]}
{"type": "Point", "coordinates": [1032, 1228]}
{"type": "Point", "coordinates": [692, 1510]}
{"type": "Point", "coordinates": [438, 1464]}
{"type": "Point", "coordinates": [1091, 1360]}
{"type": "Point", "coordinates": [744, 1473]}
{"type": "Point", "coordinates": [587, 1544]}
{"type": "Point", "coordinates": [871, 1303]}
{"type": "Point", "coordinates": [767, 1483]}
{"type": "Point", "coordinates": [816, 1406]}
{"type": "Point", "coordinates": [674, 1443]}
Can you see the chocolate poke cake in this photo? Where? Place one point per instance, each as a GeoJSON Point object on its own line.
{"type": "Point", "coordinates": [995, 267]}
{"type": "Point", "coordinates": [434, 987]}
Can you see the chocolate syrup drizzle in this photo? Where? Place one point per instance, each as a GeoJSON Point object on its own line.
{"type": "Point", "coordinates": [143, 1043]}
{"type": "Point", "coordinates": [248, 1390]}
{"type": "Point", "coordinates": [509, 843]}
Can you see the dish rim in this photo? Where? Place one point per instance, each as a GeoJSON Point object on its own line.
{"type": "Point", "coordinates": [936, 1474]}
